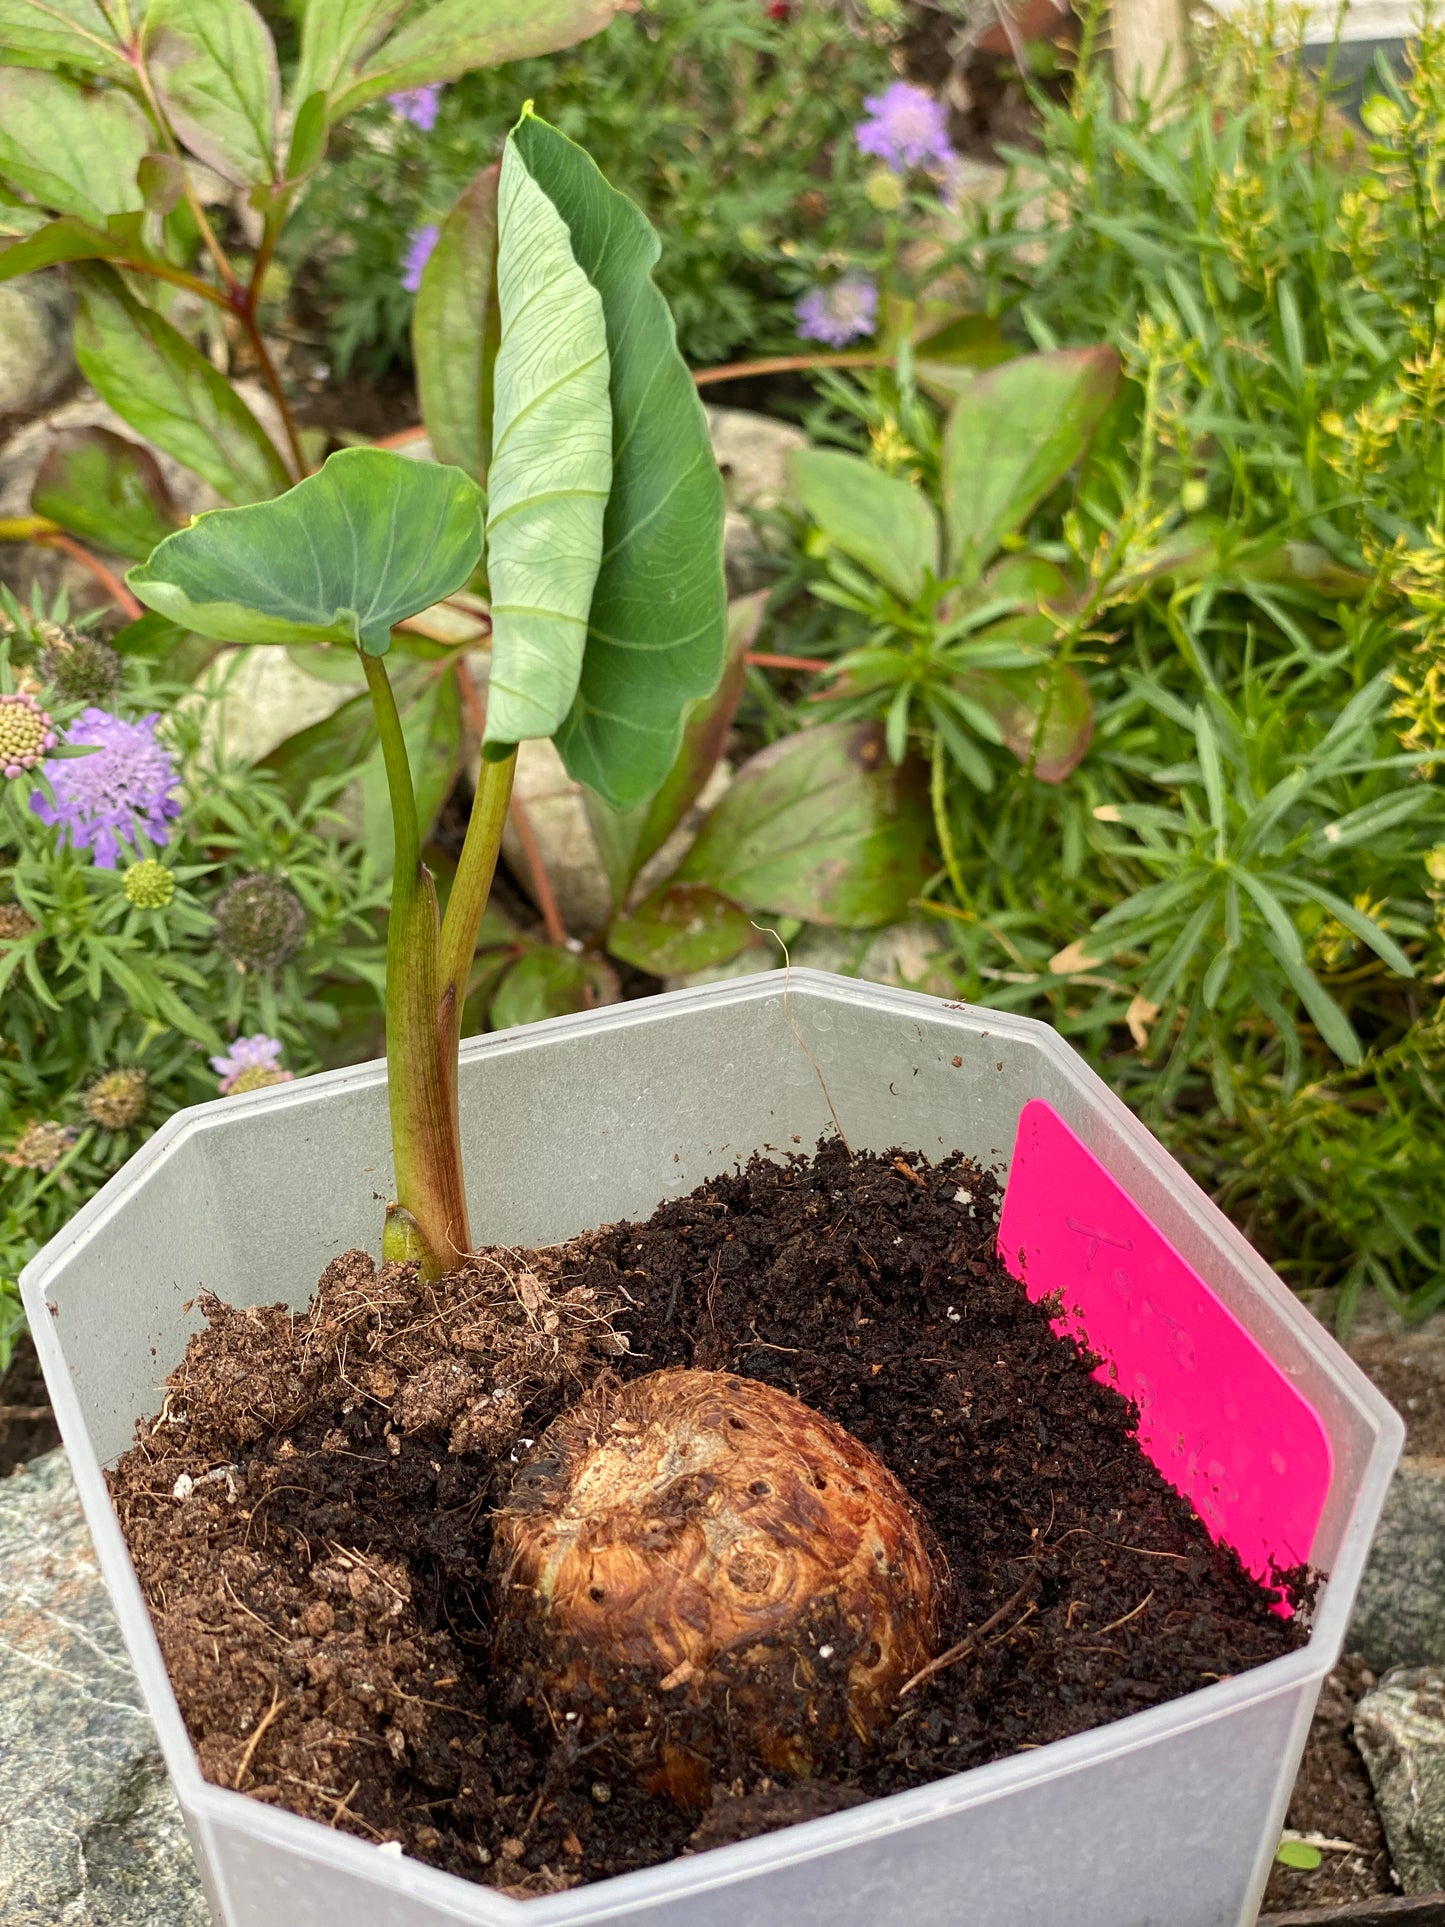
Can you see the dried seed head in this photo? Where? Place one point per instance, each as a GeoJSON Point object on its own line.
{"type": "Point", "coordinates": [118, 1099]}
{"type": "Point", "coordinates": [713, 1575]}
{"type": "Point", "coordinates": [25, 734]}
{"type": "Point", "coordinates": [149, 885]}
{"type": "Point", "coordinates": [80, 668]}
{"type": "Point", "coordinates": [40, 1147]}
{"type": "Point", "coordinates": [260, 922]}
{"type": "Point", "coordinates": [15, 923]}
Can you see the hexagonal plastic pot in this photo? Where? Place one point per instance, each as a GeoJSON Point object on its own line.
{"type": "Point", "coordinates": [1166, 1818]}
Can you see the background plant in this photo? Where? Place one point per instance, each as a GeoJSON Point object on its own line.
{"type": "Point", "coordinates": [121, 983]}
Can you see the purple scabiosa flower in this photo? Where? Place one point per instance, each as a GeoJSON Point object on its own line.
{"type": "Point", "coordinates": [128, 784]}
{"type": "Point", "coordinates": [418, 253]}
{"type": "Point", "coordinates": [840, 312]}
{"type": "Point", "coordinates": [906, 127]}
{"type": "Point", "coordinates": [419, 105]}
{"type": "Point", "coordinates": [252, 1064]}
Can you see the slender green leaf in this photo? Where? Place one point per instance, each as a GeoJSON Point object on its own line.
{"type": "Point", "coordinates": [456, 328]}
{"type": "Point", "coordinates": [1361, 926]}
{"type": "Point", "coordinates": [657, 638]}
{"type": "Point", "coordinates": [625, 839]}
{"type": "Point", "coordinates": [70, 239]}
{"type": "Point", "coordinates": [1013, 435]}
{"type": "Point", "coordinates": [370, 540]}
{"type": "Point", "coordinates": [214, 68]}
{"type": "Point", "coordinates": [878, 520]}
{"type": "Point", "coordinates": [72, 148]}
{"type": "Point", "coordinates": [1328, 1019]}
{"type": "Point", "coordinates": [1361, 825]}
{"type": "Point", "coordinates": [1211, 770]}
{"type": "Point", "coordinates": [820, 825]}
{"type": "Point", "coordinates": [61, 33]}
{"type": "Point", "coordinates": [455, 36]}
{"type": "Point", "coordinates": [1285, 937]}
{"type": "Point", "coordinates": [551, 462]}
{"type": "Point", "coordinates": [106, 490]}
{"type": "Point", "coordinates": [308, 137]}
{"type": "Point", "coordinates": [679, 928]}
{"type": "Point", "coordinates": [167, 390]}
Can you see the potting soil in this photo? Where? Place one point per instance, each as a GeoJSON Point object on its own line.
{"type": "Point", "coordinates": [310, 1512]}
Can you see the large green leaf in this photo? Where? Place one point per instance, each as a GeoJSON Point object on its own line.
{"type": "Point", "coordinates": [370, 540]}
{"type": "Point", "coordinates": [659, 611]}
{"type": "Point", "coordinates": [548, 981]}
{"type": "Point", "coordinates": [876, 519]}
{"type": "Point", "coordinates": [214, 67]}
{"type": "Point", "coordinates": [54, 33]}
{"type": "Point", "coordinates": [822, 826]}
{"type": "Point", "coordinates": [335, 34]}
{"type": "Point", "coordinates": [551, 462]}
{"type": "Point", "coordinates": [74, 149]}
{"type": "Point", "coordinates": [106, 490]}
{"type": "Point", "coordinates": [167, 390]}
{"type": "Point", "coordinates": [454, 36]}
{"type": "Point", "coordinates": [625, 839]}
{"type": "Point", "coordinates": [681, 927]}
{"type": "Point", "coordinates": [1014, 433]}
{"type": "Point", "coordinates": [456, 327]}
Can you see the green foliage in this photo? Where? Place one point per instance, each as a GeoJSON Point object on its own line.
{"type": "Point", "coordinates": [732, 131]}
{"type": "Point", "coordinates": [119, 970]}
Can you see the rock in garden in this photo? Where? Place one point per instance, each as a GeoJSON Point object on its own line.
{"type": "Point", "coordinates": [1400, 1731]}
{"type": "Point", "coordinates": [90, 1834]}
{"type": "Point", "coordinates": [1400, 1613]}
{"type": "Point", "coordinates": [36, 361]}
{"type": "Point", "coordinates": [752, 451]}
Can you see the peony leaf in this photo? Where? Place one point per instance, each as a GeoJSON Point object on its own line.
{"type": "Point", "coordinates": [681, 927]}
{"type": "Point", "coordinates": [72, 148]}
{"type": "Point", "coordinates": [214, 67]}
{"type": "Point", "coordinates": [455, 36]}
{"type": "Point", "coordinates": [106, 490]}
{"type": "Point", "coordinates": [55, 33]}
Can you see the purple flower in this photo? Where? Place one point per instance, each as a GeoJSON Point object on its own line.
{"type": "Point", "coordinates": [126, 785]}
{"type": "Point", "coordinates": [252, 1065]}
{"type": "Point", "coordinates": [418, 105]}
{"type": "Point", "coordinates": [418, 253]}
{"type": "Point", "coordinates": [906, 127]}
{"type": "Point", "coordinates": [840, 312]}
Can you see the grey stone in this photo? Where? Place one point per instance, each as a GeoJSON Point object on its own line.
{"type": "Point", "coordinates": [90, 1834]}
{"type": "Point", "coordinates": [1400, 1731]}
{"type": "Point", "coordinates": [36, 362]}
{"type": "Point", "coordinates": [753, 452]}
{"type": "Point", "coordinates": [1400, 1612]}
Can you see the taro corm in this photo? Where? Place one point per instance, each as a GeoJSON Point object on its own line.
{"type": "Point", "coordinates": [594, 527]}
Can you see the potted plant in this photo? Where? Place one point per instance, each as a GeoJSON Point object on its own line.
{"type": "Point", "coordinates": [600, 524]}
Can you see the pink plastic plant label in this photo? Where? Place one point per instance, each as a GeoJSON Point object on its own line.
{"type": "Point", "coordinates": [1222, 1423]}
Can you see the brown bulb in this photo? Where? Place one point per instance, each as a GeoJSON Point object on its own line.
{"type": "Point", "coordinates": [713, 1576]}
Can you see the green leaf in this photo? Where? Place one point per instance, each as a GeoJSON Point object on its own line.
{"type": "Point", "coordinates": [1298, 1853]}
{"type": "Point", "coordinates": [455, 36]}
{"type": "Point", "coordinates": [551, 462]}
{"type": "Point", "coordinates": [308, 137]}
{"type": "Point", "coordinates": [52, 33]}
{"type": "Point", "coordinates": [1019, 699]}
{"type": "Point", "coordinates": [1013, 435]}
{"type": "Point", "coordinates": [343, 740]}
{"type": "Point", "coordinates": [167, 390]}
{"type": "Point", "coordinates": [72, 148]}
{"type": "Point", "coordinates": [1028, 580]}
{"type": "Point", "coordinates": [657, 636]}
{"type": "Point", "coordinates": [1329, 1020]}
{"type": "Point", "coordinates": [335, 34]}
{"type": "Point", "coordinates": [455, 329]}
{"type": "Point", "coordinates": [821, 826]}
{"type": "Point", "coordinates": [1361, 926]}
{"type": "Point", "coordinates": [681, 927]}
{"type": "Point", "coordinates": [878, 520]}
{"type": "Point", "coordinates": [625, 839]}
{"type": "Point", "coordinates": [549, 982]}
{"type": "Point", "coordinates": [65, 240]}
{"type": "Point", "coordinates": [106, 490]}
{"type": "Point", "coordinates": [431, 721]}
{"type": "Point", "coordinates": [370, 540]}
{"type": "Point", "coordinates": [214, 68]}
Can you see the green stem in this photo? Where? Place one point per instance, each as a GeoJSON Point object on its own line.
{"type": "Point", "coordinates": [420, 1043]}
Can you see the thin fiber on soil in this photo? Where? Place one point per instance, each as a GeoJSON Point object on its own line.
{"type": "Point", "coordinates": [310, 1513]}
